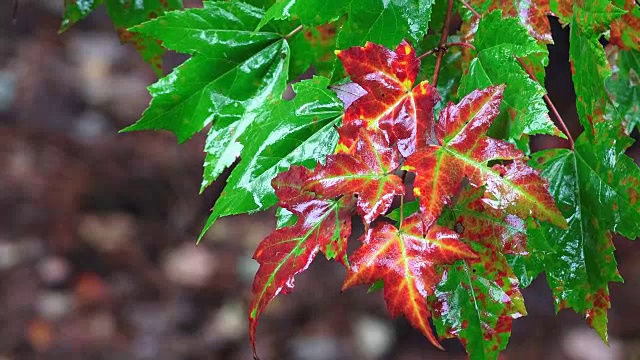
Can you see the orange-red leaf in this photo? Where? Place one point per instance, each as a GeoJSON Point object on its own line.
{"type": "Point", "coordinates": [406, 261]}
{"type": "Point", "coordinates": [368, 172]}
{"type": "Point", "coordinates": [322, 225]}
{"type": "Point", "coordinates": [391, 104]}
{"type": "Point", "coordinates": [464, 150]}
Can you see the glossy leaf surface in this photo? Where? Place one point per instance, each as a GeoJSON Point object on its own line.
{"type": "Point", "coordinates": [477, 301]}
{"type": "Point", "coordinates": [385, 22]}
{"type": "Point", "coordinates": [208, 88]}
{"type": "Point", "coordinates": [391, 103]}
{"type": "Point", "coordinates": [624, 86]}
{"type": "Point", "coordinates": [532, 14]}
{"type": "Point", "coordinates": [596, 188]}
{"type": "Point", "coordinates": [308, 12]}
{"type": "Point", "coordinates": [589, 65]}
{"type": "Point", "coordinates": [625, 31]}
{"type": "Point", "coordinates": [405, 260]}
{"type": "Point", "coordinates": [464, 150]}
{"type": "Point", "coordinates": [368, 172]}
{"type": "Point", "coordinates": [322, 225]}
{"type": "Point", "coordinates": [300, 131]}
{"type": "Point", "coordinates": [496, 230]}
{"type": "Point", "coordinates": [498, 43]}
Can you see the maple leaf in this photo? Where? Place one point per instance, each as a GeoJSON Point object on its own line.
{"type": "Point", "coordinates": [322, 225]}
{"type": "Point", "coordinates": [499, 42]}
{"type": "Point", "coordinates": [464, 150]}
{"type": "Point", "coordinates": [477, 301]}
{"type": "Point", "coordinates": [589, 67]}
{"type": "Point", "coordinates": [483, 224]}
{"type": "Point", "coordinates": [597, 189]}
{"type": "Point", "coordinates": [309, 13]}
{"type": "Point", "coordinates": [299, 132]}
{"type": "Point", "coordinates": [532, 14]}
{"type": "Point", "coordinates": [368, 173]}
{"type": "Point", "coordinates": [624, 86]}
{"type": "Point", "coordinates": [625, 31]}
{"type": "Point", "coordinates": [406, 261]}
{"type": "Point", "coordinates": [390, 103]}
{"type": "Point", "coordinates": [384, 22]}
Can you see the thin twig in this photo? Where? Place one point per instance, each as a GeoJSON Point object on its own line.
{"type": "Point", "coordinates": [443, 41]}
{"type": "Point", "coordinates": [430, 52]}
{"type": "Point", "coordinates": [549, 103]}
{"type": "Point", "coordinates": [461, 44]}
{"type": "Point", "coordinates": [475, 13]}
{"type": "Point", "coordinates": [446, 46]}
{"type": "Point", "coordinates": [293, 32]}
{"type": "Point", "coordinates": [401, 210]}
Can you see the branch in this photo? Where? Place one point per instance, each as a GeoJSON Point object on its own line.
{"type": "Point", "coordinates": [549, 103]}
{"type": "Point", "coordinates": [475, 13]}
{"type": "Point", "coordinates": [443, 41]}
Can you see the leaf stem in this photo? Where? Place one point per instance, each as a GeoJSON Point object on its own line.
{"type": "Point", "coordinates": [549, 103]}
{"type": "Point", "coordinates": [475, 13]}
{"type": "Point", "coordinates": [461, 44]}
{"type": "Point", "coordinates": [446, 48]}
{"type": "Point", "coordinates": [293, 32]}
{"type": "Point", "coordinates": [443, 41]}
{"type": "Point", "coordinates": [401, 210]}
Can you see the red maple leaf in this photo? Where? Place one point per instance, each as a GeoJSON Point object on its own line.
{"type": "Point", "coordinates": [406, 261]}
{"type": "Point", "coordinates": [368, 172]}
{"type": "Point", "coordinates": [391, 104]}
{"type": "Point", "coordinates": [464, 150]}
{"type": "Point", "coordinates": [323, 225]}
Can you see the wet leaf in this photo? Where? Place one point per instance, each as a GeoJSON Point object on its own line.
{"type": "Point", "coordinates": [406, 261]}
{"type": "Point", "coordinates": [403, 113]}
{"type": "Point", "coordinates": [499, 42]}
{"type": "Point", "coordinates": [624, 87]}
{"type": "Point", "coordinates": [309, 13]}
{"type": "Point", "coordinates": [596, 187]}
{"type": "Point", "coordinates": [368, 172]}
{"type": "Point", "coordinates": [496, 230]}
{"type": "Point", "coordinates": [385, 22]}
{"type": "Point", "coordinates": [625, 31]}
{"type": "Point", "coordinates": [322, 225]}
{"type": "Point", "coordinates": [532, 15]}
{"type": "Point", "coordinates": [300, 131]}
{"type": "Point", "coordinates": [477, 301]}
{"type": "Point", "coordinates": [464, 150]}
{"type": "Point", "coordinates": [589, 65]}
{"type": "Point", "coordinates": [227, 91]}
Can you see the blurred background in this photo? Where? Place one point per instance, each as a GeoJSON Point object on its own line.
{"type": "Point", "coordinates": [97, 230]}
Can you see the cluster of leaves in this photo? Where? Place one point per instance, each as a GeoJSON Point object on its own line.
{"type": "Point", "coordinates": [488, 216]}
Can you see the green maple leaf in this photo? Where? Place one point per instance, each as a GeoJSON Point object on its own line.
{"type": "Point", "coordinates": [624, 87]}
{"type": "Point", "coordinates": [309, 12]}
{"type": "Point", "coordinates": [596, 187]}
{"type": "Point", "coordinates": [300, 131]}
{"type": "Point", "coordinates": [125, 14]}
{"type": "Point", "coordinates": [589, 65]}
{"type": "Point", "coordinates": [498, 42]}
